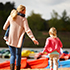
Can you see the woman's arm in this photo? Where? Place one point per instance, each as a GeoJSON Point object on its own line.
{"type": "Point", "coordinates": [29, 32]}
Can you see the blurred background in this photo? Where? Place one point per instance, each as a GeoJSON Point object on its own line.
{"type": "Point", "coordinates": [41, 16]}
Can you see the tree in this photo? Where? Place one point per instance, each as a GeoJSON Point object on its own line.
{"type": "Point", "coordinates": [9, 6]}
{"type": "Point", "coordinates": [54, 21]}
{"type": "Point", "coordinates": [60, 22]}
{"type": "Point", "coordinates": [1, 6]}
{"type": "Point", "coordinates": [54, 15]}
{"type": "Point", "coordinates": [64, 18]}
{"type": "Point", "coordinates": [5, 11]}
{"type": "Point", "coordinates": [36, 22]}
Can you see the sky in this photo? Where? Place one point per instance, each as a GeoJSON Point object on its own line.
{"type": "Point", "coordinates": [43, 7]}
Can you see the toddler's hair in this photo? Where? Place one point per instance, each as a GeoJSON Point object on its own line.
{"type": "Point", "coordinates": [14, 14]}
{"type": "Point", "coordinates": [53, 31]}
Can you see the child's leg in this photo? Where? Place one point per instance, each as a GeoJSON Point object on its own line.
{"type": "Point", "coordinates": [55, 61]}
{"type": "Point", "coordinates": [51, 61]}
{"type": "Point", "coordinates": [51, 64]}
{"type": "Point", "coordinates": [7, 32]}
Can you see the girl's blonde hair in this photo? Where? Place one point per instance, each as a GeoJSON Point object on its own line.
{"type": "Point", "coordinates": [20, 8]}
{"type": "Point", "coordinates": [53, 31]}
{"type": "Point", "coordinates": [13, 14]}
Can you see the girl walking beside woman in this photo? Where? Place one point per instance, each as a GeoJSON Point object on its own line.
{"type": "Point", "coordinates": [53, 47]}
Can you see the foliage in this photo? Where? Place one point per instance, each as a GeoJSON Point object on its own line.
{"type": "Point", "coordinates": [36, 23]}
{"type": "Point", "coordinates": [4, 12]}
{"type": "Point", "coordinates": [39, 26]}
{"type": "Point", "coordinates": [62, 23]}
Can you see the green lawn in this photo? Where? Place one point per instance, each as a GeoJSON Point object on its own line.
{"type": "Point", "coordinates": [41, 37]}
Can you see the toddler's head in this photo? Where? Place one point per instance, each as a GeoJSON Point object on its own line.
{"type": "Point", "coordinates": [53, 32]}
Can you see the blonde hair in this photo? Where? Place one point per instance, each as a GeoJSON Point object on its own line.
{"type": "Point", "coordinates": [20, 8]}
{"type": "Point", "coordinates": [53, 31]}
{"type": "Point", "coordinates": [13, 14]}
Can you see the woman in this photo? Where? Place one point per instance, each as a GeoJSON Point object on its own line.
{"type": "Point", "coordinates": [18, 27]}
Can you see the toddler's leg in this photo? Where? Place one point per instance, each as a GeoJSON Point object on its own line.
{"type": "Point", "coordinates": [55, 61]}
{"type": "Point", "coordinates": [6, 34]}
{"type": "Point", "coordinates": [51, 64]}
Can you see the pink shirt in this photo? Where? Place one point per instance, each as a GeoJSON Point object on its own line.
{"type": "Point", "coordinates": [52, 44]}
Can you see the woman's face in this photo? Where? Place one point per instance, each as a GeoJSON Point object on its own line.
{"type": "Point", "coordinates": [23, 11]}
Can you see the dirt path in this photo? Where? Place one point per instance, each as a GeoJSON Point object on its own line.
{"type": "Point", "coordinates": [40, 69]}
{"type": "Point", "coordinates": [48, 69]}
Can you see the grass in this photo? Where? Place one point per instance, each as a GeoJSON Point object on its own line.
{"type": "Point", "coordinates": [41, 37]}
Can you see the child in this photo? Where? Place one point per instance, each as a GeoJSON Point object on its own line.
{"type": "Point", "coordinates": [52, 47]}
{"type": "Point", "coordinates": [6, 34]}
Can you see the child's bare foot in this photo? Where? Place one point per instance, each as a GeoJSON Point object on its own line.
{"type": "Point", "coordinates": [5, 38]}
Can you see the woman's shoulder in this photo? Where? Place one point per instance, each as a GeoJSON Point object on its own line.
{"type": "Point", "coordinates": [9, 17]}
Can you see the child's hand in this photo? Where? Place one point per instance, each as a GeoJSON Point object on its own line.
{"type": "Point", "coordinates": [5, 38]}
{"type": "Point", "coordinates": [36, 42]}
{"type": "Point", "coordinates": [38, 55]}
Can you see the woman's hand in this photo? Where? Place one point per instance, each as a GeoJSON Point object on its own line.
{"type": "Point", "coordinates": [36, 42]}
